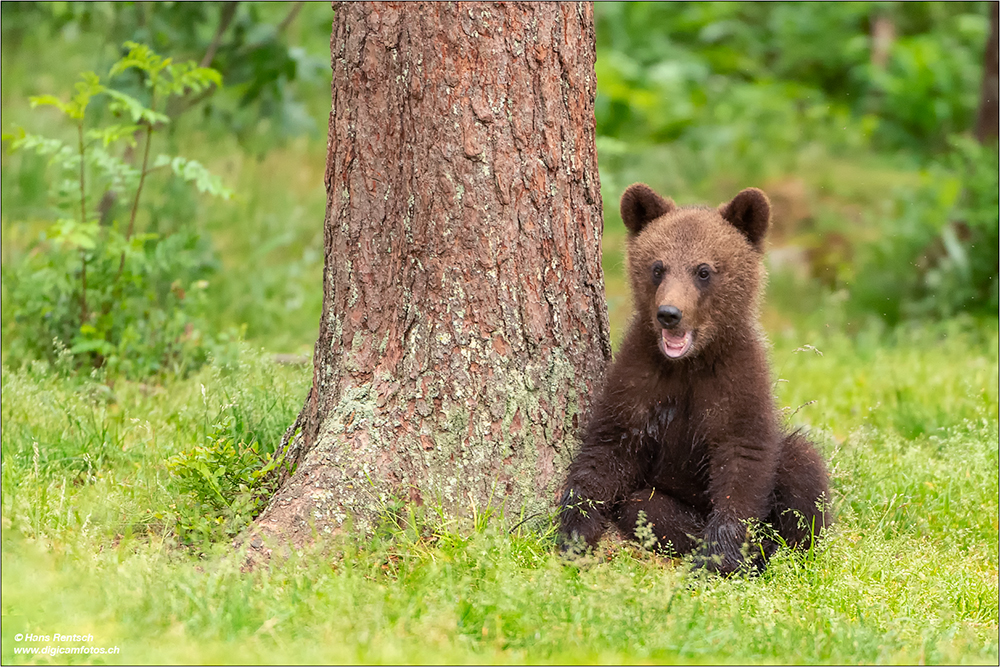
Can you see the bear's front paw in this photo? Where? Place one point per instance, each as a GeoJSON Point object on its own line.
{"type": "Point", "coordinates": [572, 545]}
{"type": "Point", "coordinates": [581, 523]}
{"type": "Point", "coordinates": [726, 548]}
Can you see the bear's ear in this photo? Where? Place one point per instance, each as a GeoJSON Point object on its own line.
{"type": "Point", "coordinates": [749, 212]}
{"type": "Point", "coordinates": [640, 205]}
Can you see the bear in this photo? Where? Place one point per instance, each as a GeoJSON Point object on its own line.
{"type": "Point", "coordinates": [685, 440]}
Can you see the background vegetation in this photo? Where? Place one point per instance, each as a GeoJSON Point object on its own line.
{"type": "Point", "coordinates": [125, 477]}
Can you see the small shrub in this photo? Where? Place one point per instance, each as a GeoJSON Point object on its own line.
{"type": "Point", "coordinates": [114, 295]}
{"type": "Point", "coordinates": [223, 485]}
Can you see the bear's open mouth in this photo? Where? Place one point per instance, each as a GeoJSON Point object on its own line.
{"type": "Point", "coordinates": [675, 344]}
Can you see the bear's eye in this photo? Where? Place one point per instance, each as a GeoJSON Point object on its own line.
{"type": "Point", "coordinates": [658, 272]}
{"type": "Point", "coordinates": [704, 272]}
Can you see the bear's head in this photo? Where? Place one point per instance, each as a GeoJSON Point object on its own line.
{"type": "Point", "coordinates": [696, 272]}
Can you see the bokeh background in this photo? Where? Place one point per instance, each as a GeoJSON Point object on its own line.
{"type": "Point", "coordinates": [858, 119]}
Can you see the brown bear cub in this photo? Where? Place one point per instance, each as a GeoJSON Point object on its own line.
{"type": "Point", "coordinates": [685, 439]}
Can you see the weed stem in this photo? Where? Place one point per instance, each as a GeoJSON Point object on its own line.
{"type": "Point", "coordinates": [138, 191]}
{"type": "Point", "coordinates": [83, 221]}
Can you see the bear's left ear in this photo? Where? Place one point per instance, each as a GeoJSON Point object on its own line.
{"type": "Point", "coordinates": [749, 212]}
{"type": "Point", "coordinates": [641, 205]}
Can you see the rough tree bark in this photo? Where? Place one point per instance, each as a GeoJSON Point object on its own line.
{"type": "Point", "coordinates": [464, 324]}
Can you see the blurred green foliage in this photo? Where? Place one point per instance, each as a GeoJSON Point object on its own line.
{"type": "Point", "coordinates": [114, 296]}
{"type": "Point", "coordinates": [694, 96]}
{"type": "Point", "coordinates": [862, 145]}
{"type": "Point", "coordinates": [245, 41]}
{"type": "Point", "coordinates": [259, 123]}
{"type": "Point", "coordinates": [937, 253]}
{"type": "Point", "coordinates": [665, 69]}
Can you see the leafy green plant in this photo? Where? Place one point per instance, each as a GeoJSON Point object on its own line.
{"type": "Point", "coordinates": [269, 78]}
{"type": "Point", "coordinates": [223, 485]}
{"type": "Point", "coordinates": [117, 296]}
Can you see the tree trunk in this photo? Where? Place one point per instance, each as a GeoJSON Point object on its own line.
{"type": "Point", "coordinates": [883, 35]}
{"type": "Point", "coordinates": [988, 118]}
{"type": "Point", "coordinates": [464, 325]}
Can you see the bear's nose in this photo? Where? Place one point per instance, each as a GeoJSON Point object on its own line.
{"type": "Point", "coordinates": [669, 316]}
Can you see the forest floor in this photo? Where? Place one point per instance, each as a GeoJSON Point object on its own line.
{"type": "Point", "coordinates": [907, 419]}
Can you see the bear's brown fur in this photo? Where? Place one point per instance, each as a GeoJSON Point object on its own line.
{"type": "Point", "coordinates": [686, 431]}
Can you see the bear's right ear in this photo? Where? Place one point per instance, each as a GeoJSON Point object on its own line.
{"type": "Point", "coordinates": [640, 205]}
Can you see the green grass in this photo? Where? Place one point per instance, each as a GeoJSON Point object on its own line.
{"type": "Point", "coordinates": [908, 419]}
